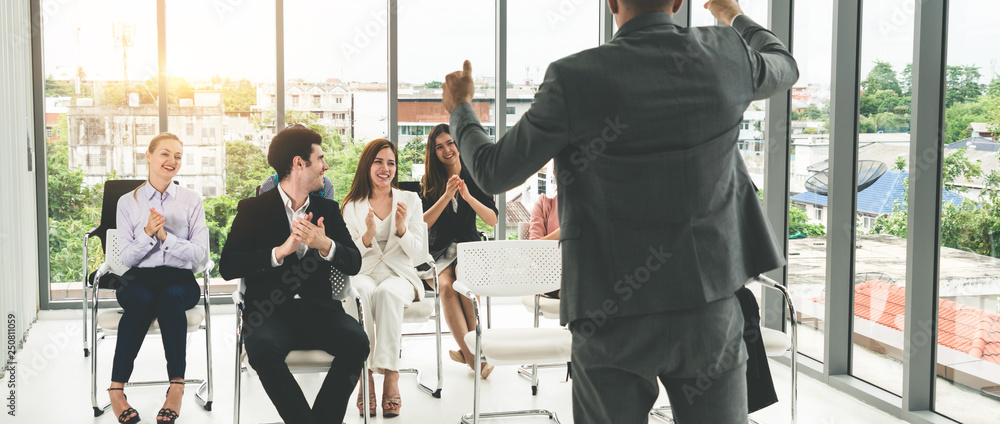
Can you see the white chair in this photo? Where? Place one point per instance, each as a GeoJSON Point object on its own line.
{"type": "Point", "coordinates": [107, 321]}
{"type": "Point", "coordinates": [299, 361]}
{"type": "Point", "coordinates": [511, 268]}
{"type": "Point", "coordinates": [421, 312]}
{"type": "Point", "coordinates": [776, 343]}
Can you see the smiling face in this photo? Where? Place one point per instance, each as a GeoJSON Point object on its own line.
{"type": "Point", "coordinates": [383, 169]}
{"type": "Point", "coordinates": [445, 149]}
{"type": "Point", "coordinates": [165, 159]}
{"type": "Point", "coordinates": [313, 172]}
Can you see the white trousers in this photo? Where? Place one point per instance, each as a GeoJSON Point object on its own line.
{"type": "Point", "coordinates": [383, 300]}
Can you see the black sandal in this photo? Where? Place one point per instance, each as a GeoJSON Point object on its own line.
{"type": "Point", "coordinates": [168, 413]}
{"type": "Point", "coordinates": [123, 417]}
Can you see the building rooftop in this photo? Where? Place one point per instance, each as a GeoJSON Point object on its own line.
{"type": "Point", "coordinates": [880, 198]}
{"type": "Point", "coordinates": [963, 328]}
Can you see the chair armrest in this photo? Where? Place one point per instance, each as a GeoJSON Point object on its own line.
{"type": "Point", "coordinates": [463, 289]}
{"type": "Point", "coordinates": [207, 268]}
{"type": "Point", "coordinates": [90, 233]}
{"type": "Point", "coordinates": [238, 299]}
{"type": "Point", "coordinates": [103, 269]}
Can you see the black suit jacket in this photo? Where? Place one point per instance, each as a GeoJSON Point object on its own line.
{"type": "Point", "coordinates": [261, 225]}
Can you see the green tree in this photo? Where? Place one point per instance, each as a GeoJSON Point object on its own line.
{"type": "Point", "coordinates": [882, 77]}
{"type": "Point", "coordinates": [958, 167]}
{"type": "Point", "coordinates": [866, 125]}
{"type": "Point", "coordinates": [873, 102]}
{"type": "Point", "coordinates": [993, 105]}
{"type": "Point", "coordinates": [963, 85]}
{"type": "Point", "coordinates": [433, 84]}
{"type": "Point", "coordinates": [246, 167]}
{"type": "Point", "coordinates": [798, 223]}
{"type": "Point", "coordinates": [411, 153]}
{"type": "Point", "coordinates": [958, 117]}
{"type": "Point", "coordinates": [900, 164]}
{"type": "Point", "coordinates": [238, 96]}
{"type": "Point", "coordinates": [906, 80]}
{"type": "Point", "coordinates": [58, 88]}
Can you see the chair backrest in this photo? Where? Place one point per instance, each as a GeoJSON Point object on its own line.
{"type": "Point", "coordinates": [413, 186]}
{"type": "Point", "coordinates": [510, 267]}
{"type": "Point", "coordinates": [113, 256]}
{"type": "Point", "coordinates": [113, 190]}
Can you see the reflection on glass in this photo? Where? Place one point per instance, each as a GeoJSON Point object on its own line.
{"type": "Point", "coordinates": [880, 263]}
{"type": "Point", "coordinates": [968, 352]}
{"type": "Point", "coordinates": [100, 59]}
{"type": "Point", "coordinates": [810, 151]}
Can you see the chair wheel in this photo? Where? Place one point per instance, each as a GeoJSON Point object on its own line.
{"type": "Point", "coordinates": [208, 406]}
{"type": "Point", "coordinates": [534, 390]}
{"type": "Point", "coordinates": [98, 411]}
{"type": "Point", "coordinates": [86, 352]}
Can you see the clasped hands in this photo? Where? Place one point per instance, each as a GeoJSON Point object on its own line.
{"type": "Point", "coordinates": [305, 232]}
{"type": "Point", "coordinates": [154, 225]}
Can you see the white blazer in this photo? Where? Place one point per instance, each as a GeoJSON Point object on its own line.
{"type": "Point", "coordinates": [401, 254]}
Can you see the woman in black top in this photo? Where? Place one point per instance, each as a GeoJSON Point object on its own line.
{"type": "Point", "coordinates": [451, 202]}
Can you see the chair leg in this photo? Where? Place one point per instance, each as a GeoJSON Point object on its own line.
{"type": "Point", "coordinates": [239, 365]}
{"type": "Point", "coordinates": [469, 419]}
{"type": "Point", "coordinates": [663, 413]}
{"type": "Point", "coordinates": [208, 349]}
{"type": "Point", "coordinates": [83, 292]}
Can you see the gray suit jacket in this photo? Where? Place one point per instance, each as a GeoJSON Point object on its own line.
{"type": "Point", "coordinates": [656, 208]}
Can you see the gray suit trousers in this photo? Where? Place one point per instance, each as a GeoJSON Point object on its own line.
{"type": "Point", "coordinates": [698, 355]}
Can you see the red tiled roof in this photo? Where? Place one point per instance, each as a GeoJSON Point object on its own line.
{"type": "Point", "coordinates": [960, 327]}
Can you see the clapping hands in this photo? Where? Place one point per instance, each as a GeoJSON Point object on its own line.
{"type": "Point", "coordinates": [154, 225]}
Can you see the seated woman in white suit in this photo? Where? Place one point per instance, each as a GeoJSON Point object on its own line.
{"type": "Point", "coordinates": [387, 225]}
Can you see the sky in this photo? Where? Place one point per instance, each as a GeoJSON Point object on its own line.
{"type": "Point", "coordinates": [347, 40]}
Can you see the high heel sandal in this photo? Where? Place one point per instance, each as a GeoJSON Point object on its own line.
{"type": "Point", "coordinates": [372, 404]}
{"type": "Point", "coordinates": [388, 410]}
{"type": "Point", "coordinates": [168, 413]}
{"type": "Point", "coordinates": [123, 417]}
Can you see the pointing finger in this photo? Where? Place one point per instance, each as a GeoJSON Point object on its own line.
{"type": "Point", "coordinates": [467, 68]}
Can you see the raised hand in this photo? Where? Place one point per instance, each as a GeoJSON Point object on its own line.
{"type": "Point", "coordinates": [458, 87]}
{"type": "Point", "coordinates": [400, 219]}
{"type": "Point", "coordinates": [154, 223]}
{"type": "Point", "coordinates": [724, 10]}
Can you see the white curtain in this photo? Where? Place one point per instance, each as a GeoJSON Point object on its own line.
{"type": "Point", "coordinates": [18, 219]}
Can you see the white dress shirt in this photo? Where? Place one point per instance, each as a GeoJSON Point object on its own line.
{"type": "Point", "coordinates": [292, 215]}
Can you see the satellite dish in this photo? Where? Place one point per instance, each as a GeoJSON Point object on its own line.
{"type": "Point", "coordinates": [869, 171]}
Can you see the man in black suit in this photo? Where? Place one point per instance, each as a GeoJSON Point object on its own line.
{"type": "Point", "coordinates": [286, 243]}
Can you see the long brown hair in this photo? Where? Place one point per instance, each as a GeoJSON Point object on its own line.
{"type": "Point", "coordinates": [435, 180]}
{"type": "Point", "coordinates": [361, 187]}
{"type": "Point", "coordinates": [153, 144]}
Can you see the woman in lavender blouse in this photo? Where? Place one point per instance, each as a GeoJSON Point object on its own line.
{"type": "Point", "coordinates": [162, 234]}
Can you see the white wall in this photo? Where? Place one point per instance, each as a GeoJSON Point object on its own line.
{"type": "Point", "coordinates": [18, 240]}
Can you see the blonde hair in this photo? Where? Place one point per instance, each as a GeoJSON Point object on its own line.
{"type": "Point", "coordinates": [153, 144]}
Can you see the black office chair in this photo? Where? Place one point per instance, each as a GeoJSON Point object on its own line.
{"type": "Point", "coordinates": [113, 190]}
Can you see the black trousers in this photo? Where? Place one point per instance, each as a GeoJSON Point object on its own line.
{"type": "Point", "coordinates": [161, 293]}
{"type": "Point", "coordinates": [301, 325]}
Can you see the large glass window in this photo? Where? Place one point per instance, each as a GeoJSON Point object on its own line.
{"type": "Point", "coordinates": [809, 166]}
{"type": "Point", "coordinates": [98, 57]}
{"type": "Point", "coordinates": [215, 77]}
{"type": "Point", "coordinates": [336, 70]}
{"type": "Point", "coordinates": [884, 141]}
{"type": "Point", "coordinates": [425, 58]}
{"type": "Point", "coordinates": [968, 351]}
{"type": "Point", "coordinates": [563, 30]}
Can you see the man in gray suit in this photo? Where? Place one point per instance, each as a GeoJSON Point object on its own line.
{"type": "Point", "coordinates": [660, 221]}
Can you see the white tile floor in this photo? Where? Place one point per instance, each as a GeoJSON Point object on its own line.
{"type": "Point", "coordinates": [53, 382]}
